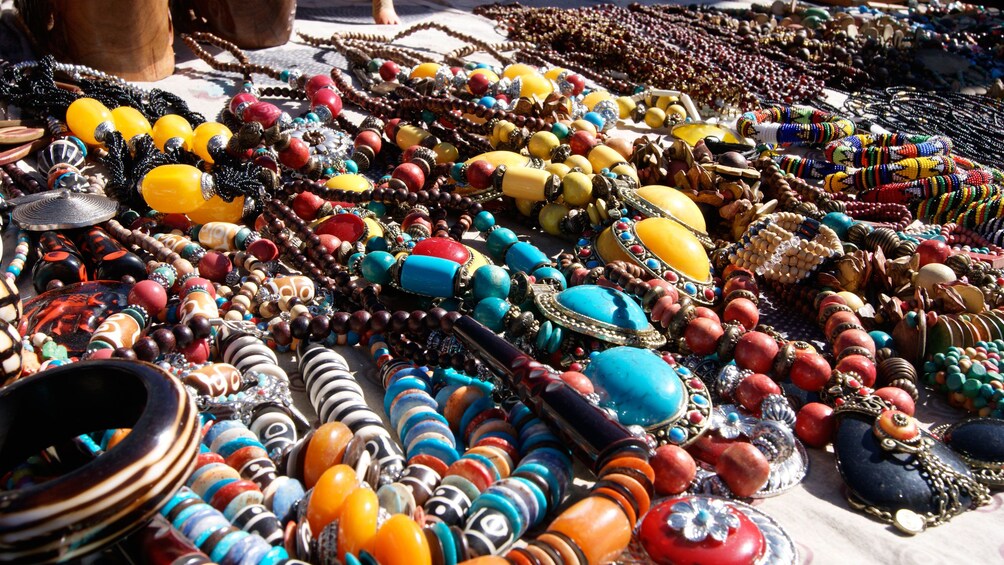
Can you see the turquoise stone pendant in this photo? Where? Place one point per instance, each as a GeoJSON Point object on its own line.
{"type": "Point", "coordinates": [643, 390]}
{"type": "Point", "coordinates": [604, 313]}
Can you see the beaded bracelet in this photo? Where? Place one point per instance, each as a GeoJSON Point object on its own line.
{"type": "Point", "coordinates": [856, 180]}
{"type": "Point", "coordinates": [867, 150]}
{"type": "Point", "coordinates": [793, 125]}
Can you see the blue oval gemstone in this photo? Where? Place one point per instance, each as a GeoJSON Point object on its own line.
{"type": "Point", "coordinates": [638, 385]}
{"type": "Point", "coordinates": [605, 305]}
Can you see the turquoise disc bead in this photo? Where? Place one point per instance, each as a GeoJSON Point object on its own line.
{"type": "Point", "coordinates": [607, 305]}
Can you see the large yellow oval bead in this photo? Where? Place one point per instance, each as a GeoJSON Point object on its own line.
{"type": "Point", "coordinates": [604, 157]}
{"type": "Point", "coordinates": [517, 70]}
{"type": "Point", "coordinates": [534, 85]}
{"type": "Point", "coordinates": [595, 97]}
{"type": "Point", "coordinates": [526, 183]}
{"type": "Point", "coordinates": [85, 115]}
{"type": "Point", "coordinates": [357, 522]}
{"type": "Point", "coordinates": [350, 182]}
{"type": "Point", "coordinates": [446, 153]}
{"type": "Point", "coordinates": [217, 209]}
{"type": "Point", "coordinates": [401, 541]}
{"type": "Point", "coordinates": [204, 135]}
{"type": "Point", "coordinates": [130, 122]}
{"type": "Point", "coordinates": [550, 217]}
{"type": "Point", "coordinates": [627, 170]}
{"type": "Point", "coordinates": [676, 203]}
{"type": "Point", "coordinates": [559, 169]}
{"type": "Point", "coordinates": [554, 73]}
{"type": "Point", "coordinates": [425, 70]}
{"type": "Point", "coordinates": [577, 189]}
{"type": "Point", "coordinates": [172, 126]}
{"type": "Point", "coordinates": [675, 245]}
{"type": "Point", "coordinates": [507, 158]}
{"type": "Point", "coordinates": [173, 189]}
{"type": "Point", "coordinates": [542, 143]}
{"type": "Point", "coordinates": [581, 162]}
{"type": "Point", "coordinates": [409, 136]}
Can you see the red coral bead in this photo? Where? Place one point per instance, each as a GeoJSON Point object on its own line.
{"type": "Point", "coordinates": [898, 397]}
{"type": "Point", "coordinates": [853, 338]}
{"type": "Point", "coordinates": [753, 389]}
{"type": "Point", "coordinates": [317, 83]}
{"type": "Point", "coordinates": [581, 142]}
{"type": "Point", "coordinates": [756, 351]}
{"type": "Point", "coordinates": [933, 251]}
{"type": "Point", "coordinates": [263, 113]}
{"type": "Point", "coordinates": [306, 205]}
{"type": "Point", "coordinates": [810, 372]}
{"type": "Point", "coordinates": [149, 295]}
{"type": "Point", "coordinates": [329, 98]}
{"type": "Point", "coordinates": [370, 139]}
{"type": "Point", "coordinates": [242, 99]}
{"type": "Point", "coordinates": [860, 365]}
{"type": "Point", "coordinates": [674, 469]}
{"type": "Point", "coordinates": [296, 154]}
{"type": "Point", "coordinates": [214, 266]}
{"type": "Point", "coordinates": [389, 70]}
{"type": "Point", "coordinates": [578, 84]}
{"type": "Point", "coordinates": [702, 335]}
{"type": "Point", "coordinates": [744, 312]}
{"type": "Point", "coordinates": [478, 84]}
{"type": "Point", "coordinates": [411, 175]}
{"type": "Point", "coordinates": [815, 424]}
{"type": "Point", "coordinates": [479, 174]}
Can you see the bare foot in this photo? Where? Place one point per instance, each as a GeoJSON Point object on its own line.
{"type": "Point", "coordinates": [386, 16]}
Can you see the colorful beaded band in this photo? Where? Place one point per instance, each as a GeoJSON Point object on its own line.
{"type": "Point", "coordinates": [793, 125]}
{"type": "Point", "coordinates": [866, 150]}
{"type": "Point", "coordinates": [857, 180]}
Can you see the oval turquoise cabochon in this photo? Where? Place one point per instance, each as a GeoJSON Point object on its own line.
{"type": "Point", "coordinates": [638, 385]}
{"type": "Point", "coordinates": [604, 304]}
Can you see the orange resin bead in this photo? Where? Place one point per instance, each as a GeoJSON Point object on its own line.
{"type": "Point", "coordinates": [325, 450]}
{"type": "Point", "coordinates": [329, 495]}
{"type": "Point", "coordinates": [598, 526]}
{"type": "Point", "coordinates": [401, 541]}
{"type": "Point", "coordinates": [357, 522]}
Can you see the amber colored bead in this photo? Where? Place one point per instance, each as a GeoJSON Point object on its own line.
{"type": "Point", "coordinates": [638, 491]}
{"type": "Point", "coordinates": [598, 526]}
{"type": "Point", "coordinates": [326, 448]}
{"type": "Point", "coordinates": [357, 523]}
{"type": "Point", "coordinates": [632, 463]}
{"type": "Point", "coordinates": [329, 494]}
{"type": "Point", "coordinates": [620, 498]}
{"type": "Point", "coordinates": [400, 541]}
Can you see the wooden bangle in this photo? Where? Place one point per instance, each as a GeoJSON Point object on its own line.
{"type": "Point", "coordinates": [113, 494]}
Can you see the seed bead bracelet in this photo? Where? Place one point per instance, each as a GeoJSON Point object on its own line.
{"type": "Point", "coordinates": [867, 150]}
{"type": "Point", "coordinates": [788, 125]}
{"type": "Point", "coordinates": [857, 180]}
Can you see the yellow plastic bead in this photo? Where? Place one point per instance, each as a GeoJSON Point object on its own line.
{"type": "Point", "coordinates": [525, 206]}
{"type": "Point", "coordinates": [357, 522]}
{"type": "Point", "coordinates": [604, 157]}
{"type": "Point", "coordinates": [577, 189]}
{"type": "Point", "coordinates": [676, 203]}
{"type": "Point", "coordinates": [664, 102]}
{"type": "Point", "coordinates": [173, 189]}
{"type": "Point", "coordinates": [351, 182]}
{"type": "Point", "coordinates": [581, 162]}
{"type": "Point", "coordinates": [583, 125]}
{"type": "Point", "coordinates": [446, 153]}
{"type": "Point", "coordinates": [627, 170]}
{"type": "Point", "coordinates": [217, 209]}
{"type": "Point", "coordinates": [507, 158]}
{"type": "Point", "coordinates": [553, 73]}
{"type": "Point", "coordinates": [542, 143]}
{"type": "Point", "coordinates": [525, 183]}
{"type": "Point", "coordinates": [550, 217]}
{"type": "Point", "coordinates": [595, 97]}
{"type": "Point", "coordinates": [401, 541]}
{"type": "Point", "coordinates": [330, 492]}
{"type": "Point", "coordinates": [559, 169]}
{"type": "Point", "coordinates": [209, 133]}
{"type": "Point", "coordinates": [625, 105]}
{"type": "Point", "coordinates": [408, 136]}
{"type": "Point", "coordinates": [655, 118]}
{"type": "Point", "coordinates": [130, 122]}
{"type": "Point", "coordinates": [502, 130]}
{"type": "Point", "coordinates": [425, 70]}
{"type": "Point", "coordinates": [85, 115]}
{"type": "Point", "coordinates": [517, 70]}
{"type": "Point", "coordinates": [676, 111]}
{"type": "Point", "coordinates": [172, 126]}
{"type": "Point", "coordinates": [534, 85]}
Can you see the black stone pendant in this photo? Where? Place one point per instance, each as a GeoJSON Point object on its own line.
{"type": "Point", "coordinates": [980, 443]}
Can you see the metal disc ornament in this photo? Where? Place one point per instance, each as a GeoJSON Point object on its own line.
{"type": "Point", "coordinates": [64, 210]}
